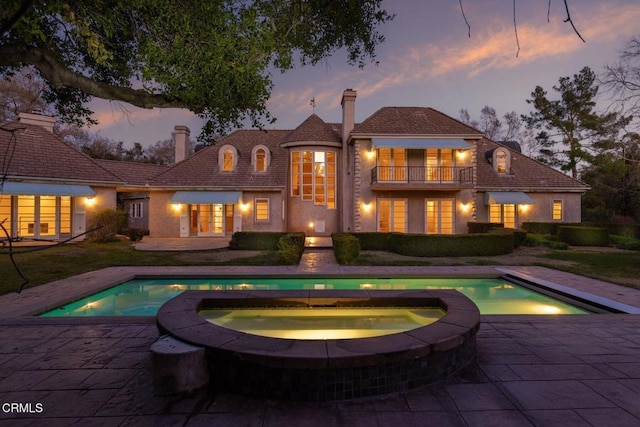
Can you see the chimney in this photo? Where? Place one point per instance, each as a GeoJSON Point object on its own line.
{"type": "Point", "coordinates": [46, 122]}
{"type": "Point", "coordinates": [348, 113]}
{"type": "Point", "coordinates": [183, 143]}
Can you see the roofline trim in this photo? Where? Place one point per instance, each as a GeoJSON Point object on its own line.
{"type": "Point", "coordinates": [355, 135]}
{"type": "Point", "coordinates": [22, 178]}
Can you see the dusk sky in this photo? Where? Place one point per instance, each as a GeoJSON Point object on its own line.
{"type": "Point", "coordinates": [429, 60]}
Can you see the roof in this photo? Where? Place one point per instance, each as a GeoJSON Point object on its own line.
{"type": "Point", "coordinates": [30, 151]}
{"type": "Point", "coordinates": [313, 129]}
{"type": "Point", "coordinates": [526, 173]}
{"type": "Point", "coordinates": [132, 173]}
{"type": "Point", "coordinates": [413, 121]}
{"type": "Point", "coordinates": [202, 170]}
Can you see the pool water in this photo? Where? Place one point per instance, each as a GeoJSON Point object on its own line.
{"type": "Point", "coordinates": [143, 297]}
{"type": "Point", "coordinates": [323, 323]}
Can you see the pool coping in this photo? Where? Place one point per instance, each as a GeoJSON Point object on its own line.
{"type": "Point", "coordinates": [33, 301]}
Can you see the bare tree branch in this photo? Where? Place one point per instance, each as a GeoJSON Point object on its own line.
{"type": "Point", "coordinates": [569, 20]}
{"type": "Point", "coordinates": [515, 28]}
{"type": "Point", "coordinates": [465, 18]}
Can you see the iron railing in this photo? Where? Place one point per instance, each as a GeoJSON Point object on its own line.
{"type": "Point", "coordinates": [422, 174]}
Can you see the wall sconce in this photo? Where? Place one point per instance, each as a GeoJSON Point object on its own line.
{"type": "Point", "coordinates": [524, 208]}
{"type": "Point", "coordinates": [311, 225]}
{"type": "Point", "coordinates": [461, 154]}
{"type": "Point", "coordinates": [366, 207]}
{"type": "Point", "coordinates": [176, 207]}
{"type": "Point", "coordinates": [244, 207]}
{"type": "Point", "coordinates": [371, 154]}
{"type": "Point", "coordinates": [464, 207]}
{"type": "Point", "coordinates": [89, 201]}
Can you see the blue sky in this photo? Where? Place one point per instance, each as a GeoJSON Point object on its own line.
{"type": "Point", "coordinates": [429, 60]}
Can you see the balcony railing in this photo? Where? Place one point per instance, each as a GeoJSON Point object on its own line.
{"type": "Point", "coordinates": [425, 175]}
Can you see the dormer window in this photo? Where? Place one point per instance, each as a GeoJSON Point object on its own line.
{"type": "Point", "coordinates": [501, 161]}
{"type": "Point", "coordinates": [227, 158]}
{"type": "Point", "coordinates": [260, 158]}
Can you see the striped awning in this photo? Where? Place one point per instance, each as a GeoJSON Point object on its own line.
{"type": "Point", "coordinates": [40, 189]}
{"type": "Point", "coordinates": [420, 143]}
{"type": "Point", "coordinates": [206, 197]}
{"type": "Point", "coordinates": [508, 198]}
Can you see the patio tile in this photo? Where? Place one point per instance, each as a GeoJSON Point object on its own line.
{"type": "Point", "coordinates": [624, 393]}
{"type": "Point", "coordinates": [613, 417]}
{"type": "Point", "coordinates": [68, 379]}
{"type": "Point", "coordinates": [556, 418]}
{"type": "Point", "coordinates": [25, 380]}
{"type": "Point", "coordinates": [478, 397]}
{"type": "Point", "coordinates": [568, 394]}
{"type": "Point", "coordinates": [496, 419]}
{"type": "Point", "coordinates": [558, 372]}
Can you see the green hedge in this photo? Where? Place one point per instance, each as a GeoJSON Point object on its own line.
{"type": "Point", "coordinates": [583, 236]}
{"type": "Point", "coordinates": [291, 247]}
{"type": "Point", "coordinates": [373, 241]}
{"type": "Point", "coordinates": [547, 227]}
{"type": "Point", "coordinates": [519, 236]}
{"type": "Point", "coordinates": [346, 247]}
{"type": "Point", "coordinates": [255, 241]}
{"type": "Point", "coordinates": [483, 227]}
{"type": "Point", "coordinates": [629, 230]}
{"type": "Point", "coordinates": [496, 242]}
{"type": "Point", "coordinates": [106, 224]}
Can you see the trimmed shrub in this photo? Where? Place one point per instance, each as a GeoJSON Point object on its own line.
{"type": "Point", "coordinates": [546, 240]}
{"type": "Point", "coordinates": [583, 236]}
{"type": "Point", "coordinates": [519, 236]}
{"type": "Point", "coordinates": [496, 242]}
{"type": "Point", "coordinates": [291, 247]}
{"type": "Point", "coordinates": [373, 241]}
{"type": "Point", "coordinates": [629, 230]}
{"type": "Point", "coordinates": [483, 227]}
{"type": "Point", "coordinates": [346, 248]}
{"type": "Point", "coordinates": [255, 241]}
{"type": "Point", "coordinates": [107, 224]}
{"type": "Point", "coordinates": [541, 227]}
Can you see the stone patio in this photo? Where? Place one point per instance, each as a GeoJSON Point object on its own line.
{"type": "Point", "coordinates": [578, 370]}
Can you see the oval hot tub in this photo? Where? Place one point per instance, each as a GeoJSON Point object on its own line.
{"type": "Point", "coordinates": [319, 369]}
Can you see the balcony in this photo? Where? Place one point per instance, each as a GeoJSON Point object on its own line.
{"type": "Point", "coordinates": [421, 178]}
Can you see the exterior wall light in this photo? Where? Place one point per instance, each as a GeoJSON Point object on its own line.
{"type": "Point", "coordinates": [465, 207]}
{"type": "Point", "coordinates": [311, 225]}
{"type": "Point", "coordinates": [89, 201]}
{"type": "Point", "coordinates": [524, 208]}
{"type": "Point", "coordinates": [176, 207]}
{"type": "Point", "coordinates": [244, 207]}
{"type": "Point", "coordinates": [366, 207]}
{"type": "Point", "coordinates": [371, 154]}
{"type": "Point", "coordinates": [461, 154]}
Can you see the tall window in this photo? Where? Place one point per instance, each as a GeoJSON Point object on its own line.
{"type": "Point", "coordinates": [505, 214]}
{"type": "Point", "coordinates": [439, 216]}
{"type": "Point", "coordinates": [557, 210]}
{"type": "Point", "coordinates": [136, 210]}
{"type": "Point", "coordinates": [5, 213]}
{"type": "Point", "coordinates": [392, 164]}
{"type": "Point", "coordinates": [439, 163]}
{"type": "Point", "coordinates": [261, 209]}
{"type": "Point", "coordinates": [313, 177]}
{"type": "Point", "coordinates": [227, 158]}
{"type": "Point", "coordinates": [501, 160]}
{"type": "Point", "coordinates": [392, 215]}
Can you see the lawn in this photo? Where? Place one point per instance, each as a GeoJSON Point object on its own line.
{"type": "Point", "coordinates": [53, 263]}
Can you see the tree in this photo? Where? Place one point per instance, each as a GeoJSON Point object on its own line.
{"type": "Point", "coordinates": [212, 57]}
{"type": "Point", "coordinates": [162, 152]}
{"type": "Point", "coordinates": [21, 92]}
{"type": "Point", "coordinates": [492, 127]}
{"type": "Point", "coordinates": [567, 128]}
{"type": "Point", "coordinates": [623, 78]}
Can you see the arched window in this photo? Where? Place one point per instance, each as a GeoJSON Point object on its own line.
{"type": "Point", "coordinates": [501, 161]}
{"type": "Point", "coordinates": [260, 158]}
{"type": "Point", "coordinates": [227, 158]}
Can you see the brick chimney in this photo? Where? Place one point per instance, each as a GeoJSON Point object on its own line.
{"type": "Point", "coordinates": [183, 143]}
{"type": "Point", "coordinates": [46, 122]}
{"type": "Point", "coordinates": [348, 113]}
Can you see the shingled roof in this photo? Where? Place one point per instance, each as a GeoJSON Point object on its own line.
{"type": "Point", "coordinates": [132, 173]}
{"type": "Point", "coordinates": [526, 173]}
{"type": "Point", "coordinates": [313, 129]}
{"type": "Point", "coordinates": [413, 121]}
{"type": "Point", "coordinates": [30, 151]}
{"type": "Point", "coordinates": [202, 169]}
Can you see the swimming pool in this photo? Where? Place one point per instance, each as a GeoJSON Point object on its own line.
{"type": "Point", "coordinates": [143, 297]}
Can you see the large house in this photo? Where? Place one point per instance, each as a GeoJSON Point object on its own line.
{"type": "Point", "coordinates": [403, 169]}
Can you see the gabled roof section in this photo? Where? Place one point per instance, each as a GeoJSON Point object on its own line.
{"type": "Point", "coordinates": [525, 174]}
{"type": "Point", "coordinates": [132, 173]}
{"type": "Point", "coordinates": [313, 129]}
{"type": "Point", "coordinates": [413, 121]}
{"type": "Point", "coordinates": [203, 172]}
{"type": "Point", "coordinates": [30, 151]}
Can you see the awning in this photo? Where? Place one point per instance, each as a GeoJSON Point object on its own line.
{"type": "Point", "coordinates": [508, 198]}
{"type": "Point", "coordinates": [206, 197]}
{"type": "Point", "coordinates": [37, 189]}
{"type": "Point", "coordinates": [420, 143]}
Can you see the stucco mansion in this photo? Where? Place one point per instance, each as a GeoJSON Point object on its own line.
{"type": "Point", "coordinates": [402, 169]}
